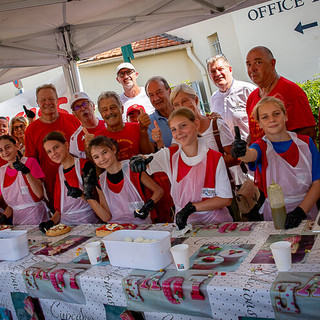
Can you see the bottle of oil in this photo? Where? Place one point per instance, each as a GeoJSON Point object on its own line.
{"type": "Point", "coordinates": [278, 209]}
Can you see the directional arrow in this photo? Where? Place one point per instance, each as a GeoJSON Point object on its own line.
{"type": "Point", "coordinates": [300, 27]}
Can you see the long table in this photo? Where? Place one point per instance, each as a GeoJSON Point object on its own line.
{"type": "Point", "coordinates": [55, 281]}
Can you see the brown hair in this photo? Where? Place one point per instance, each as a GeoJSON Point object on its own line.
{"type": "Point", "coordinates": [54, 136]}
{"type": "Point", "coordinates": [13, 140]}
{"type": "Point", "coordinates": [265, 100]}
{"type": "Point", "coordinates": [182, 112]}
{"type": "Point", "coordinates": [158, 79]}
{"type": "Point", "coordinates": [103, 141]}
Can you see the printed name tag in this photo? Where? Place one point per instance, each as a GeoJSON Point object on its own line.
{"type": "Point", "coordinates": [24, 190]}
{"type": "Point", "coordinates": [208, 193]}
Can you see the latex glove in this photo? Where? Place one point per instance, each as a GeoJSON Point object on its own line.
{"type": "Point", "coordinates": [29, 113]}
{"type": "Point", "coordinates": [89, 183]}
{"type": "Point", "coordinates": [145, 209]}
{"type": "Point", "coordinates": [72, 191]}
{"type": "Point", "coordinates": [139, 163]}
{"type": "Point", "coordinates": [183, 215]}
{"type": "Point", "coordinates": [239, 146]}
{"type": "Point", "coordinates": [45, 226]}
{"type": "Point", "coordinates": [295, 217]}
{"type": "Point", "coordinates": [4, 219]}
{"type": "Point", "coordinates": [19, 166]}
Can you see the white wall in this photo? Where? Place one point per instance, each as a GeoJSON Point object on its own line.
{"type": "Point", "coordinates": [173, 66]}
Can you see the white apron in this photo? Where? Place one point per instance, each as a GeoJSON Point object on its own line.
{"type": "Point", "coordinates": [18, 197]}
{"type": "Point", "coordinates": [190, 189]}
{"type": "Point", "coordinates": [295, 181]}
{"type": "Point", "coordinates": [123, 204]}
{"type": "Point", "coordinates": [74, 147]}
{"type": "Point", "coordinates": [74, 211]}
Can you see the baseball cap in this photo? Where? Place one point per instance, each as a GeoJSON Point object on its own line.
{"type": "Point", "coordinates": [78, 96]}
{"type": "Point", "coordinates": [126, 65]}
{"type": "Point", "coordinates": [135, 107]}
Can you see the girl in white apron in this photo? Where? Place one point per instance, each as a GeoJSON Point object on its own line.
{"type": "Point", "coordinates": [21, 186]}
{"type": "Point", "coordinates": [294, 165]}
{"type": "Point", "coordinates": [70, 204]}
{"type": "Point", "coordinates": [121, 196]}
{"type": "Point", "coordinates": [200, 186]}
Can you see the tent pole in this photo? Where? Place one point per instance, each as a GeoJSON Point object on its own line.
{"type": "Point", "coordinates": [77, 84]}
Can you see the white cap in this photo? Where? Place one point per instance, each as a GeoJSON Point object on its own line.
{"type": "Point", "coordinates": [78, 96]}
{"type": "Point", "coordinates": [126, 65]}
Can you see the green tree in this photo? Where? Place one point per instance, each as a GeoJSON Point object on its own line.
{"type": "Point", "coordinates": [312, 90]}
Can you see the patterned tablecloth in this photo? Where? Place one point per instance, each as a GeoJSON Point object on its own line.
{"type": "Point", "coordinates": [232, 275]}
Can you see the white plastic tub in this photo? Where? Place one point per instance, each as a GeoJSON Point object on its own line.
{"type": "Point", "coordinates": [147, 256]}
{"type": "Point", "coordinates": [13, 244]}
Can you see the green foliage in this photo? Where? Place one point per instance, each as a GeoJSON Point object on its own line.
{"type": "Point", "coordinates": [312, 90]}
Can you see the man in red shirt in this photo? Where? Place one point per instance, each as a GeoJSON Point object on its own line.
{"type": "Point", "coordinates": [132, 137]}
{"type": "Point", "coordinates": [50, 120]}
{"type": "Point", "coordinates": [261, 70]}
{"type": "Point", "coordinates": [83, 109]}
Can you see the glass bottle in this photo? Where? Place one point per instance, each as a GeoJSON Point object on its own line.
{"type": "Point", "coordinates": [278, 209]}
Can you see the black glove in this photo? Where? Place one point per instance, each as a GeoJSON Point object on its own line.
{"type": "Point", "coordinates": [145, 209]}
{"type": "Point", "coordinates": [19, 166]}
{"type": "Point", "coordinates": [239, 146]}
{"type": "Point", "coordinates": [4, 219]}
{"type": "Point", "coordinates": [183, 215]}
{"type": "Point", "coordinates": [139, 163]}
{"type": "Point", "coordinates": [45, 226]}
{"type": "Point", "coordinates": [29, 113]}
{"type": "Point", "coordinates": [295, 217]}
{"type": "Point", "coordinates": [72, 191]}
{"type": "Point", "coordinates": [89, 183]}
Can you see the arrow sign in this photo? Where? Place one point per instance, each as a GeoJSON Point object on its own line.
{"type": "Point", "coordinates": [300, 27]}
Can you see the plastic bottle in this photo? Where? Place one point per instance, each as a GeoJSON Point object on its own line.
{"type": "Point", "coordinates": [278, 209]}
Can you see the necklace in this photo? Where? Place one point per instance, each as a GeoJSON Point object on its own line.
{"type": "Point", "coordinates": [265, 91]}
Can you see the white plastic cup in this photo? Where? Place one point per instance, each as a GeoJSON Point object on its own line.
{"type": "Point", "coordinates": [180, 254]}
{"type": "Point", "coordinates": [281, 251]}
{"type": "Point", "coordinates": [94, 252]}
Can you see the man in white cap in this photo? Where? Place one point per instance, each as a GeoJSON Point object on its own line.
{"type": "Point", "coordinates": [83, 109]}
{"type": "Point", "coordinates": [133, 94]}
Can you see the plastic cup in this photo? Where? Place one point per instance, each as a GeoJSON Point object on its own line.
{"type": "Point", "coordinates": [94, 252]}
{"type": "Point", "coordinates": [281, 251]}
{"type": "Point", "coordinates": [180, 254]}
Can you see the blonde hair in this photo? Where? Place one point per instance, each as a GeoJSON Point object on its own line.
{"type": "Point", "coordinates": [17, 119]}
{"type": "Point", "coordinates": [183, 112]}
{"type": "Point", "coordinates": [183, 88]}
{"type": "Point", "coordinates": [277, 102]}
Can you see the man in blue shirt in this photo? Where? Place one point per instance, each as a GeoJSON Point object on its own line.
{"type": "Point", "coordinates": [158, 91]}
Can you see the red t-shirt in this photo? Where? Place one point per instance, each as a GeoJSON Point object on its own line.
{"type": "Point", "coordinates": [35, 133]}
{"type": "Point", "coordinates": [128, 140]}
{"type": "Point", "coordinates": [295, 101]}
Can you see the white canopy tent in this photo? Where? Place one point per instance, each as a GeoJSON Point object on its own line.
{"type": "Point", "coordinates": [39, 35]}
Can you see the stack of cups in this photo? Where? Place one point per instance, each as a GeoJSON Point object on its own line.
{"type": "Point", "coordinates": [94, 252]}
{"type": "Point", "coordinates": [180, 254]}
{"type": "Point", "coordinates": [281, 252]}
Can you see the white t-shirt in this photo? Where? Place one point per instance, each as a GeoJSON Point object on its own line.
{"type": "Point", "coordinates": [231, 105]}
{"type": "Point", "coordinates": [141, 99]}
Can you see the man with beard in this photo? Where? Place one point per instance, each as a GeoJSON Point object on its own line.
{"type": "Point", "coordinates": [133, 94]}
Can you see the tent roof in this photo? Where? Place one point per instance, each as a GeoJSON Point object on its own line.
{"type": "Point", "coordinates": [38, 35]}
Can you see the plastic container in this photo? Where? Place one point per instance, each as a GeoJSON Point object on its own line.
{"type": "Point", "coordinates": [13, 245]}
{"type": "Point", "coordinates": [147, 256]}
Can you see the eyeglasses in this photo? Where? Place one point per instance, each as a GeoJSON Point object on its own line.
{"type": "Point", "coordinates": [84, 104]}
{"type": "Point", "coordinates": [16, 128]}
{"type": "Point", "coordinates": [127, 72]}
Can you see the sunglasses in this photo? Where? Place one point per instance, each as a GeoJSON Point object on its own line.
{"type": "Point", "coordinates": [127, 72]}
{"type": "Point", "coordinates": [84, 104]}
